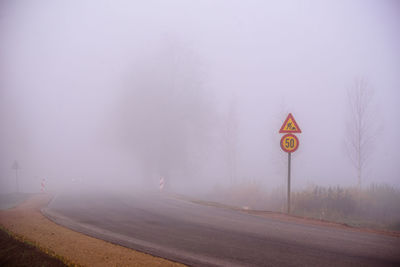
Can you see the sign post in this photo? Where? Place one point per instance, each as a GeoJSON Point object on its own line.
{"type": "Point", "coordinates": [15, 167]}
{"type": "Point", "coordinates": [162, 183]}
{"type": "Point", "coordinates": [289, 144]}
{"type": "Point", "coordinates": [288, 183]}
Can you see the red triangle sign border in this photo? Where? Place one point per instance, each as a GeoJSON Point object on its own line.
{"type": "Point", "coordinates": [290, 116]}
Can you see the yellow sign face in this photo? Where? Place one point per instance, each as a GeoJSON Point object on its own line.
{"type": "Point", "coordinates": [289, 143]}
{"type": "Point", "coordinates": [290, 125]}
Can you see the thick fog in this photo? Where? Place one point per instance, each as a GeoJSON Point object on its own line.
{"type": "Point", "coordinates": [116, 94]}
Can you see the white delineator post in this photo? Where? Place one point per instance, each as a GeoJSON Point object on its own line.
{"type": "Point", "coordinates": [43, 185]}
{"type": "Point", "coordinates": [161, 183]}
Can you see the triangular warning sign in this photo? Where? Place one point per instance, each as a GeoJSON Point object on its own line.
{"type": "Point", "coordinates": [290, 125]}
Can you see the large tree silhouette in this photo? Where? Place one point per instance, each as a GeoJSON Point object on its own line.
{"type": "Point", "coordinates": [167, 114]}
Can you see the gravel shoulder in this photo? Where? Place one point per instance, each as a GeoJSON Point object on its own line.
{"type": "Point", "coordinates": [27, 222]}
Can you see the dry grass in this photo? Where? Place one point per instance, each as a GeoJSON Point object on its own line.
{"type": "Point", "coordinates": [16, 253]}
{"type": "Point", "coordinates": [375, 206]}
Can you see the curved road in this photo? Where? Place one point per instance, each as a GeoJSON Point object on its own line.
{"type": "Point", "coordinates": [203, 235]}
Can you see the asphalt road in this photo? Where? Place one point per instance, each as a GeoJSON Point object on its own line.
{"type": "Point", "coordinates": [203, 235]}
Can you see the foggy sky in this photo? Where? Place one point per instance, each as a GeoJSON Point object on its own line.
{"type": "Point", "coordinates": [80, 81]}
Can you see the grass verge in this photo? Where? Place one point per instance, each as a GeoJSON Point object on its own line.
{"type": "Point", "coordinates": [14, 252]}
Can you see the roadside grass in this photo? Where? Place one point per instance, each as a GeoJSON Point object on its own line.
{"type": "Point", "coordinates": [11, 200]}
{"type": "Point", "coordinates": [17, 251]}
{"type": "Point", "coordinates": [375, 206]}
{"type": "Point", "coordinates": [248, 194]}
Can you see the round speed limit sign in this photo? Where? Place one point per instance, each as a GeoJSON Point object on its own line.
{"type": "Point", "coordinates": [289, 143]}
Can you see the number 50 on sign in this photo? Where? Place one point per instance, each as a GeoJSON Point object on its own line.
{"type": "Point", "coordinates": [289, 143]}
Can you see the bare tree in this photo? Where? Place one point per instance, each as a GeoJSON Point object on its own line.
{"type": "Point", "coordinates": [361, 128]}
{"type": "Point", "coordinates": [230, 140]}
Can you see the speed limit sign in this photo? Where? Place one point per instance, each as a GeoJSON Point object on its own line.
{"type": "Point", "coordinates": [289, 143]}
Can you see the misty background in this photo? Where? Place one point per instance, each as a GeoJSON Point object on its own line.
{"type": "Point", "coordinates": [117, 94]}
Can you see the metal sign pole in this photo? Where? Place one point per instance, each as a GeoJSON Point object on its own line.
{"type": "Point", "coordinates": [15, 166]}
{"type": "Point", "coordinates": [16, 180]}
{"type": "Point", "coordinates": [288, 184]}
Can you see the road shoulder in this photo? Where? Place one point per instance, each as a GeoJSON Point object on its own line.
{"type": "Point", "coordinates": [28, 223]}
